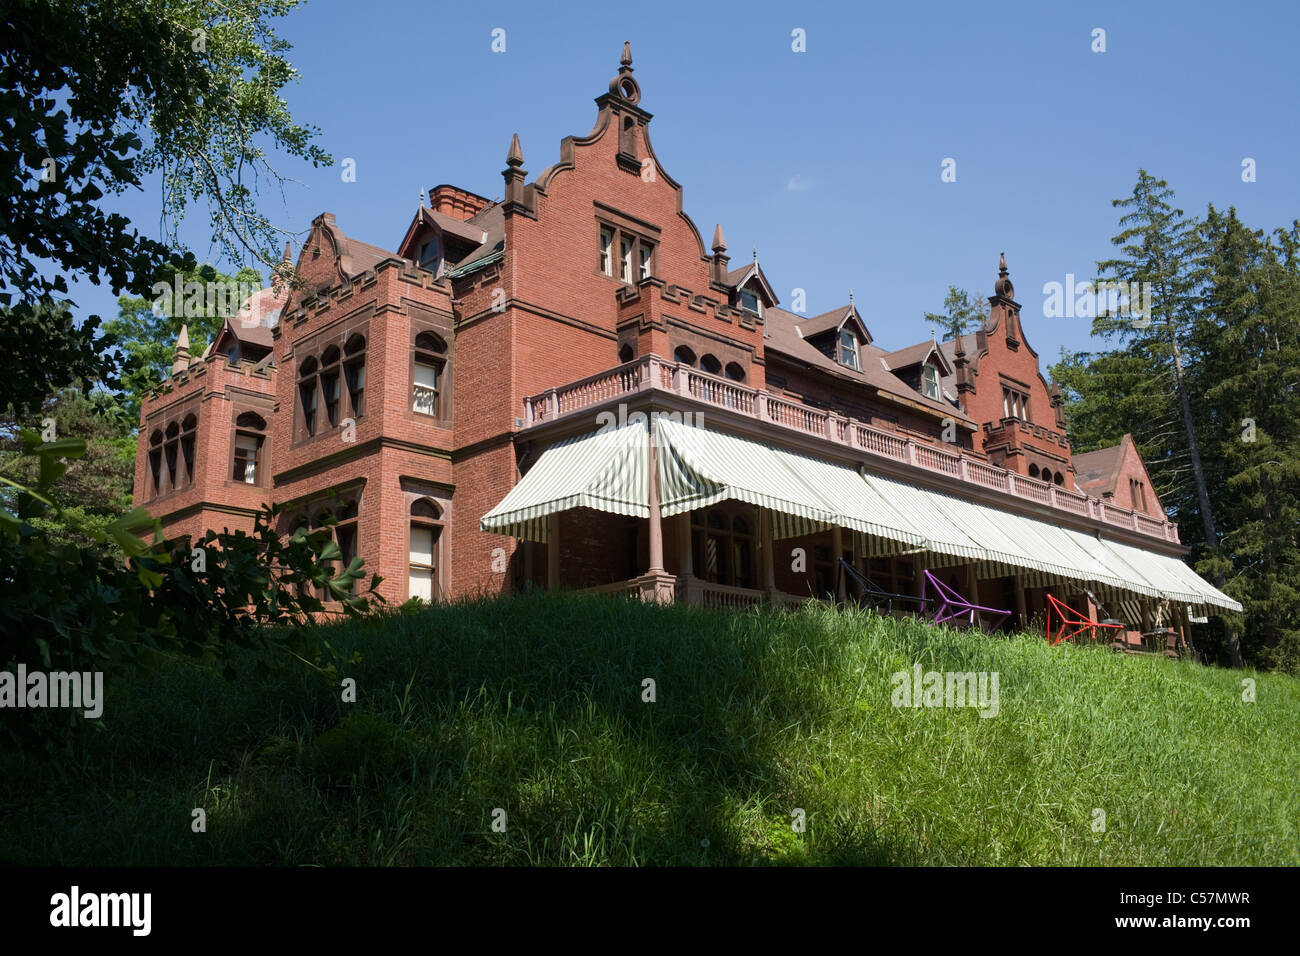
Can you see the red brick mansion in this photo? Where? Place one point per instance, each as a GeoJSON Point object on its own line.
{"type": "Point", "coordinates": [569, 387]}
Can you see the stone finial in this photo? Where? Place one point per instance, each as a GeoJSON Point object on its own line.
{"type": "Point", "coordinates": [1003, 286]}
{"type": "Point", "coordinates": [625, 62]}
{"type": "Point", "coordinates": [181, 358]}
{"type": "Point", "coordinates": [719, 241]}
{"type": "Point", "coordinates": [288, 259]}
{"type": "Point", "coordinates": [516, 155]}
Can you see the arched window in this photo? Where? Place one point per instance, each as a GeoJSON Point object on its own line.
{"type": "Point", "coordinates": [155, 460]}
{"type": "Point", "coordinates": [710, 364]}
{"type": "Point", "coordinates": [684, 355]}
{"type": "Point", "coordinates": [189, 428]}
{"type": "Point", "coordinates": [307, 394]}
{"type": "Point", "coordinates": [329, 384]}
{"type": "Point", "coordinates": [1058, 478]}
{"type": "Point", "coordinates": [354, 372]}
{"type": "Point", "coordinates": [735, 372]}
{"type": "Point", "coordinates": [426, 384]}
{"type": "Point", "coordinates": [171, 454]}
{"type": "Point", "coordinates": [625, 355]}
{"type": "Point", "coordinates": [250, 436]}
{"type": "Point", "coordinates": [425, 549]}
{"type": "Point", "coordinates": [1033, 471]}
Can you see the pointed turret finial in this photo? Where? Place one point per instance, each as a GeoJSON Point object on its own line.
{"type": "Point", "coordinates": [1003, 286]}
{"type": "Point", "coordinates": [850, 297]}
{"type": "Point", "coordinates": [625, 62]}
{"type": "Point", "coordinates": [288, 259]}
{"type": "Point", "coordinates": [719, 241]}
{"type": "Point", "coordinates": [181, 358]}
{"type": "Point", "coordinates": [755, 251]}
{"type": "Point", "coordinates": [421, 197]}
{"type": "Point", "coordinates": [516, 154]}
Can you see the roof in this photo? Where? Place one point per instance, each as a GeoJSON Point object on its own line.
{"type": "Point", "coordinates": [917, 354]}
{"type": "Point", "coordinates": [783, 336]}
{"type": "Point", "coordinates": [738, 277]}
{"type": "Point", "coordinates": [831, 320]}
{"type": "Point", "coordinates": [1096, 472]}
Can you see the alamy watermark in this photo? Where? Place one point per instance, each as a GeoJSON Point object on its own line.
{"type": "Point", "coordinates": [1089, 299]}
{"type": "Point", "coordinates": [609, 421]}
{"type": "Point", "coordinates": [68, 689]}
{"type": "Point", "coordinates": [917, 688]}
{"type": "Point", "coordinates": [193, 299]}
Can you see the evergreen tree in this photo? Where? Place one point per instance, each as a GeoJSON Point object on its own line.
{"type": "Point", "coordinates": [962, 312]}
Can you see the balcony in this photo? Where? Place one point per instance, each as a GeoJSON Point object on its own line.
{"type": "Point", "coordinates": [651, 373]}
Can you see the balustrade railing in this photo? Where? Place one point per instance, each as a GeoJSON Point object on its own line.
{"type": "Point", "coordinates": [720, 392]}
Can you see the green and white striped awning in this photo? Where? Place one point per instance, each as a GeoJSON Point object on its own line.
{"type": "Point", "coordinates": [1170, 577]}
{"type": "Point", "coordinates": [699, 467]}
{"type": "Point", "coordinates": [607, 470]}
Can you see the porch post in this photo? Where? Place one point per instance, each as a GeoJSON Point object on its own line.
{"type": "Point", "coordinates": [685, 553]}
{"type": "Point", "coordinates": [656, 523]}
{"type": "Point", "coordinates": [1020, 600]}
{"type": "Point", "coordinates": [769, 554]}
{"type": "Point", "coordinates": [553, 551]}
{"type": "Point", "coordinates": [837, 552]}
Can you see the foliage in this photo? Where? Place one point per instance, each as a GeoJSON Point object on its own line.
{"type": "Point", "coordinates": [961, 311]}
{"type": "Point", "coordinates": [534, 704]}
{"type": "Point", "coordinates": [145, 330]}
{"type": "Point", "coordinates": [94, 97]}
{"type": "Point", "coordinates": [96, 488]}
{"type": "Point", "coordinates": [64, 607]}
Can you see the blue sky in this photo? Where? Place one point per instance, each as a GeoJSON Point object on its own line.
{"type": "Point", "coordinates": [828, 161]}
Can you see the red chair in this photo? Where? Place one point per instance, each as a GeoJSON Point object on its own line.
{"type": "Point", "coordinates": [1070, 623]}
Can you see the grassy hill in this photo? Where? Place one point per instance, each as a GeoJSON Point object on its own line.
{"type": "Point", "coordinates": [533, 704]}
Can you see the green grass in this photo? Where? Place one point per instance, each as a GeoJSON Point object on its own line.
{"type": "Point", "coordinates": [533, 704]}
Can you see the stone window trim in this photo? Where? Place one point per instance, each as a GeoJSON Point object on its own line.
{"type": "Point", "coordinates": [431, 347]}
{"type": "Point", "coordinates": [327, 365]}
{"type": "Point", "coordinates": [249, 423]}
{"type": "Point", "coordinates": [170, 455]}
{"type": "Point", "coordinates": [345, 508]}
{"type": "Point", "coordinates": [426, 513]}
{"type": "Point", "coordinates": [623, 252]}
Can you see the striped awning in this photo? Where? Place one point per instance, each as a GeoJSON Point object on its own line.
{"type": "Point", "coordinates": [1171, 578]}
{"type": "Point", "coordinates": [605, 470]}
{"type": "Point", "coordinates": [699, 467]}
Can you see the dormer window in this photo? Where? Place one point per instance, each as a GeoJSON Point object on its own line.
{"type": "Point", "coordinates": [430, 254]}
{"type": "Point", "coordinates": [930, 381]}
{"type": "Point", "coordinates": [849, 349]}
{"type": "Point", "coordinates": [749, 301]}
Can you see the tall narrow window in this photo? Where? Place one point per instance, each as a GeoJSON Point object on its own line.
{"type": "Point", "coordinates": [189, 428]}
{"type": "Point", "coordinates": [645, 254]}
{"type": "Point", "coordinates": [848, 348]}
{"type": "Point", "coordinates": [607, 250]}
{"type": "Point", "coordinates": [625, 258]}
{"type": "Point", "coordinates": [426, 532]}
{"type": "Point", "coordinates": [354, 370]}
{"type": "Point", "coordinates": [155, 461]}
{"type": "Point", "coordinates": [307, 395]}
{"type": "Point", "coordinates": [250, 435]}
{"type": "Point", "coordinates": [345, 535]}
{"type": "Point", "coordinates": [426, 387]}
{"type": "Point", "coordinates": [329, 384]}
{"type": "Point", "coordinates": [170, 454]}
{"type": "Point", "coordinates": [430, 254]}
{"type": "Point", "coordinates": [930, 381]}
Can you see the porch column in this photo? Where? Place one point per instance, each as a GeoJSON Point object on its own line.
{"type": "Point", "coordinates": [918, 579]}
{"type": "Point", "coordinates": [685, 553]}
{"type": "Point", "coordinates": [1020, 600]}
{"type": "Point", "coordinates": [837, 552]}
{"type": "Point", "coordinates": [553, 551]}
{"type": "Point", "coordinates": [769, 553]}
{"type": "Point", "coordinates": [656, 523]}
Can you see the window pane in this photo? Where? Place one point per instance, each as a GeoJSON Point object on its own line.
{"type": "Point", "coordinates": [421, 545]}
{"type": "Point", "coordinates": [422, 584]}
